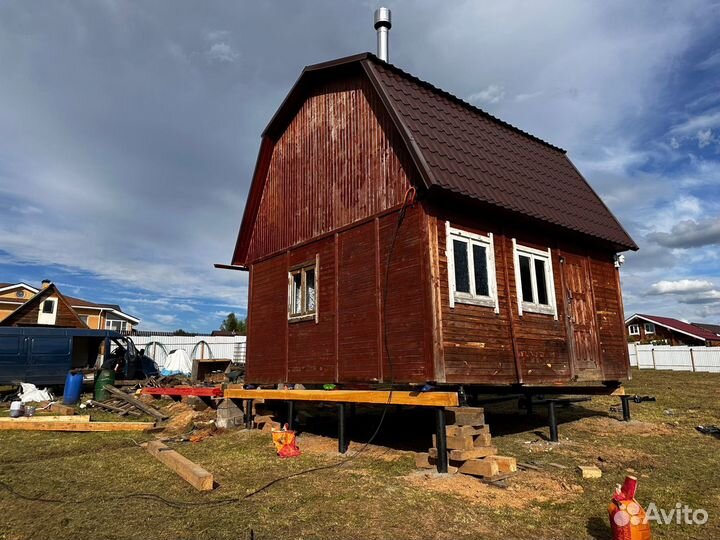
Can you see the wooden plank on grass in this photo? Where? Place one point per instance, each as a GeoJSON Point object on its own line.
{"type": "Point", "coordinates": [192, 473]}
{"type": "Point", "coordinates": [399, 397]}
{"type": "Point", "coordinates": [75, 426]}
{"type": "Point", "coordinates": [56, 418]}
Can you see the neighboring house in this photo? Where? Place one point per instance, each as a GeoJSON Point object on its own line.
{"type": "Point", "coordinates": [714, 328]}
{"type": "Point", "coordinates": [651, 328]}
{"type": "Point", "coordinates": [20, 306]}
{"type": "Point", "coordinates": [502, 271]}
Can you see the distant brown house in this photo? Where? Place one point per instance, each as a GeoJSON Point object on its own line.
{"type": "Point", "coordinates": [24, 305]}
{"type": "Point", "coordinates": [393, 232]}
{"type": "Point", "coordinates": [652, 328]}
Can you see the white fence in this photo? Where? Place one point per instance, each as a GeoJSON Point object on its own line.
{"type": "Point", "coordinates": [675, 358]}
{"type": "Point", "coordinates": [158, 347]}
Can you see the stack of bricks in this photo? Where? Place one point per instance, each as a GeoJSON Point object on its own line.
{"type": "Point", "coordinates": [470, 450]}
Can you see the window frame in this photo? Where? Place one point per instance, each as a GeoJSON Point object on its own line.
{"type": "Point", "coordinates": [122, 326]}
{"type": "Point", "coordinates": [51, 301]}
{"type": "Point", "coordinates": [630, 329]}
{"type": "Point", "coordinates": [535, 254]}
{"type": "Point", "coordinates": [304, 314]}
{"type": "Point", "coordinates": [652, 328]}
{"type": "Point", "coordinates": [471, 239]}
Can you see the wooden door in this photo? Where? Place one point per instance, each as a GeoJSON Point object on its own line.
{"type": "Point", "coordinates": [581, 321]}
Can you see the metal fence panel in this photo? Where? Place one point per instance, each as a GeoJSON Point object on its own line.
{"type": "Point", "coordinates": [158, 347]}
{"type": "Point", "coordinates": [675, 358]}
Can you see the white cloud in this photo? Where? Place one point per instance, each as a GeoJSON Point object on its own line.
{"type": "Point", "coordinates": [681, 286]}
{"type": "Point", "coordinates": [492, 94]}
{"type": "Point", "coordinates": [696, 123]}
{"type": "Point", "coordinates": [222, 52]}
{"type": "Point", "coordinates": [704, 138]}
{"type": "Point", "coordinates": [689, 233]}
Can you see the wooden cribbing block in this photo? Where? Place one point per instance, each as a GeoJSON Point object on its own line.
{"type": "Point", "coordinates": [58, 418]}
{"type": "Point", "coordinates": [192, 473]}
{"type": "Point", "coordinates": [480, 467]}
{"type": "Point", "coordinates": [61, 408]}
{"type": "Point", "coordinates": [263, 419]}
{"type": "Point", "coordinates": [452, 469]}
{"type": "Point", "coordinates": [465, 416]}
{"type": "Point", "coordinates": [464, 455]}
{"type": "Point", "coordinates": [505, 464]}
{"type": "Point", "coordinates": [268, 427]}
{"type": "Point", "coordinates": [462, 431]}
{"type": "Point", "coordinates": [457, 443]}
{"type": "Point", "coordinates": [76, 426]}
{"type": "Point", "coordinates": [422, 460]}
{"type": "Point", "coordinates": [484, 439]}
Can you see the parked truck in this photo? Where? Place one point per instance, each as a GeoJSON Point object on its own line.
{"type": "Point", "coordinates": [43, 356]}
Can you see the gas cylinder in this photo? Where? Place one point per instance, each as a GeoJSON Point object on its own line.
{"type": "Point", "coordinates": [627, 517]}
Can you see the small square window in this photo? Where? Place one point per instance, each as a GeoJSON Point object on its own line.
{"type": "Point", "coordinates": [649, 328]}
{"type": "Point", "coordinates": [534, 280]}
{"type": "Point", "coordinates": [471, 268]}
{"type": "Point", "coordinates": [302, 293]}
{"type": "Point", "coordinates": [634, 329]}
{"type": "Point", "coordinates": [48, 306]}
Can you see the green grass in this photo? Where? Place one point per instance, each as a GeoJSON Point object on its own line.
{"type": "Point", "coordinates": [378, 498]}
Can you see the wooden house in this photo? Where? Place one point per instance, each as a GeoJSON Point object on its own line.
{"type": "Point", "coordinates": [395, 233]}
{"type": "Point", "coordinates": [24, 305]}
{"type": "Point", "coordinates": [668, 331]}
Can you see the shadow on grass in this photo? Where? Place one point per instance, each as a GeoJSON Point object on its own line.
{"type": "Point", "coordinates": [599, 529]}
{"type": "Point", "coordinates": [411, 428]}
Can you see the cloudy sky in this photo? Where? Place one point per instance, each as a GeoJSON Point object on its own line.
{"type": "Point", "coordinates": [129, 130]}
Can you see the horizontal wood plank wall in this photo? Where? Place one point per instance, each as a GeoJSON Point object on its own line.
{"type": "Point", "coordinates": [339, 161]}
{"type": "Point", "coordinates": [477, 342]}
{"type": "Point", "coordinates": [611, 325]}
{"type": "Point", "coordinates": [311, 354]}
{"type": "Point", "coordinates": [542, 341]}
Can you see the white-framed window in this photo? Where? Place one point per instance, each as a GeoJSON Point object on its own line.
{"type": "Point", "coordinates": [84, 318]}
{"type": "Point", "coordinates": [534, 280]}
{"type": "Point", "coordinates": [634, 329]}
{"type": "Point", "coordinates": [471, 268]}
{"type": "Point", "coordinates": [116, 324]}
{"type": "Point", "coordinates": [303, 291]}
{"type": "Point", "coordinates": [48, 306]}
{"type": "Point", "coordinates": [649, 328]}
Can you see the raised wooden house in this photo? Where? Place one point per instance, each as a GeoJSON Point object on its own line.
{"type": "Point", "coordinates": [395, 233]}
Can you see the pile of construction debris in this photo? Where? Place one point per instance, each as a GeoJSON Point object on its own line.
{"type": "Point", "coordinates": [469, 447]}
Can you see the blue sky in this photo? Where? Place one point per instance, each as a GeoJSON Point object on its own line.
{"type": "Point", "coordinates": [129, 131]}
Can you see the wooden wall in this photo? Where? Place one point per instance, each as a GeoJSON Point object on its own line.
{"type": "Point", "coordinates": [484, 347]}
{"type": "Point", "coordinates": [346, 344]}
{"type": "Point", "coordinates": [335, 164]}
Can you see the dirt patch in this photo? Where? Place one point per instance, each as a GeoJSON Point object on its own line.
{"type": "Point", "coordinates": [318, 444]}
{"type": "Point", "coordinates": [183, 419]}
{"type": "Point", "coordinates": [609, 426]}
{"type": "Point", "coordinates": [524, 489]}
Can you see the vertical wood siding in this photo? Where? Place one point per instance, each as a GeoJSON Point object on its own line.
{"type": "Point", "coordinates": [346, 343]}
{"type": "Point", "coordinates": [335, 164]}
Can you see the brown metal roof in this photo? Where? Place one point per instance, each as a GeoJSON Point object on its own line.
{"type": "Point", "coordinates": [460, 149]}
{"type": "Point", "coordinates": [469, 152]}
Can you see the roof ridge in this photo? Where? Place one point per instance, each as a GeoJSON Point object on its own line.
{"type": "Point", "coordinates": [450, 96]}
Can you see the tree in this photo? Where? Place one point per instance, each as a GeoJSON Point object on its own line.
{"type": "Point", "coordinates": [180, 332]}
{"type": "Point", "coordinates": [233, 324]}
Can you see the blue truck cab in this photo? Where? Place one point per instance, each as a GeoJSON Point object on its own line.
{"type": "Point", "coordinates": [43, 356]}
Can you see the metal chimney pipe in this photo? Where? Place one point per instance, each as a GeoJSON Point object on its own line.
{"type": "Point", "coordinates": [383, 24]}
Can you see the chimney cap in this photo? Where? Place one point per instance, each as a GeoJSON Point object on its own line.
{"type": "Point", "coordinates": [45, 283]}
{"type": "Point", "coordinates": [383, 17]}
